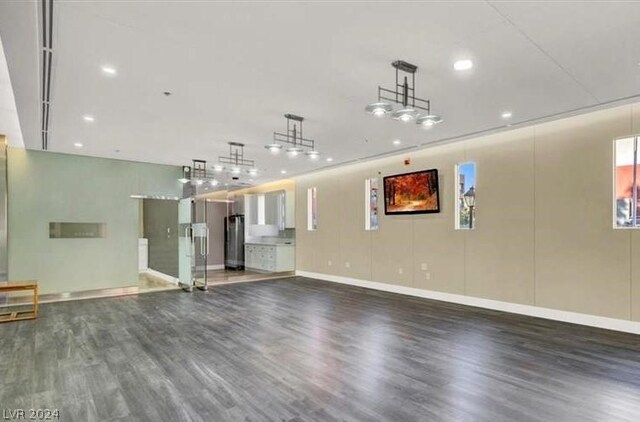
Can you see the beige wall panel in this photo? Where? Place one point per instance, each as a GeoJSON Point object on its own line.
{"type": "Point", "coordinates": [304, 238]}
{"type": "Point", "coordinates": [326, 239]}
{"type": "Point", "coordinates": [499, 250]}
{"type": "Point", "coordinates": [635, 237]}
{"type": "Point", "coordinates": [544, 231]}
{"type": "Point", "coordinates": [435, 242]}
{"type": "Point", "coordinates": [392, 243]}
{"type": "Point", "coordinates": [582, 264]}
{"type": "Point", "coordinates": [635, 275]}
{"type": "Point", "coordinates": [355, 241]}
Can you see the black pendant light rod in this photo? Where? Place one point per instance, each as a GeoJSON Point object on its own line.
{"type": "Point", "coordinates": [236, 156]}
{"type": "Point", "coordinates": [292, 136]}
{"type": "Point", "coordinates": [404, 93]}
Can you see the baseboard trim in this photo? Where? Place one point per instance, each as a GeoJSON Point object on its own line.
{"type": "Point", "coordinates": [210, 267]}
{"type": "Point", "coordinates": [534, 311]}
{"type": "Point", "coordinates": [163, 276]}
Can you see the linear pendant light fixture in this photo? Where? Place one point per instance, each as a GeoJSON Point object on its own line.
{"type": "Point", "coordinates": [408, 107]}
{"type": "Point", "coordinates": [295, 143]}
{"type": "Point", "coordinates": [234, 163]}
{"type": "Point", "coordinates": [197, 174]}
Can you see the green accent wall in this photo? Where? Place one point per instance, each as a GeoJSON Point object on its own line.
{"type": "Point", "coordinates": [50, 187]}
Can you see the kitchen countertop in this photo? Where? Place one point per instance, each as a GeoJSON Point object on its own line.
{"type": "Point", "coordinates": [269, 244]}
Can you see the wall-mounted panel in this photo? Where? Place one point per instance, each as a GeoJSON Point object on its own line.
{"type": "Point", "coordinates": [355, 240]}
{"type": "Point", "coordinates": [635, 236]}
{"type": "Point", "coordinates": [582, 263]}
{"type": "Point", "coordinates": [499, 250]}
{"type": "Point", "coordinates": [438, 250]}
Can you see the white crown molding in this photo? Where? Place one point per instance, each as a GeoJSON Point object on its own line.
{"type": "Point", "coordinates": [515, 308]}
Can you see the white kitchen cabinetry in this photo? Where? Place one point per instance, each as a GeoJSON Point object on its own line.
{"type": "Point", "coordinates": [269, 257]}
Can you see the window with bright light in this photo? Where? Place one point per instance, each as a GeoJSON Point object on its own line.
{"type": "Point", "coordinates": [312, 209]}
{"type": "Point", "coordinates": [626, 175]}
{"type": "Point", "coordinates": [465, 196]}
{"type": "Point", "coordinates": [371, 204]}
{"type": "Point", "coordinates": [261, 209]}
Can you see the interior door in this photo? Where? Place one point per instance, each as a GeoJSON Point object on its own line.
{"type": "Point", "coordinates": [201, 243]}
{"type": "Point", "coordinates": [186, 248]}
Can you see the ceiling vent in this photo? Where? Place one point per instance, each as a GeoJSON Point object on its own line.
{"type": "Point", "coordinates": [47, 59]}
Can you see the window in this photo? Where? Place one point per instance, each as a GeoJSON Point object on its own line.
{"type": "Point", "coordinates": [626, 175]}
{"type": "Point", "coordinates": [312, 209]}
{"type": "Point", "coordinates": [371, 204]}
{"type": "Point", "coordinates": [261, 209]}
{"type": "Point", "coordinates": [465, 196]}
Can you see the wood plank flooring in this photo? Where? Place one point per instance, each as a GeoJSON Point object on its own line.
{"type": "Point", "coordinates": [305, 350]}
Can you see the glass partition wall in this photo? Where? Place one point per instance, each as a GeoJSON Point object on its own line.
{"type": "Point", "coordinates": [244, 234]}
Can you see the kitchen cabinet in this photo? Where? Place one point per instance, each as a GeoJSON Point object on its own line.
{"type": "Point", "coordinates": [269, 257]}
{"type": "Point", "coordinates": [272, 208]}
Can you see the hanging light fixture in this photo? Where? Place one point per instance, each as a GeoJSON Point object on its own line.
{"type": "Point", "coordinates": [428, 120]}
{"type": "Point", "coordinates": [186, 175]}
{"type": "Point", "coordinates": [235, 163]}
{"type": "Point", "coordinates": [313, 154]}
{"type": "Point", "coordinates": [235, 160]}
{"type": "Point", "coordinates": [296, 144]}
{"type": "Point", "coordinates": [379, 109]}
{"type": "Point", "coordinates": [274, 148]}
{"type": "Point", "coordinates": [411, 108]}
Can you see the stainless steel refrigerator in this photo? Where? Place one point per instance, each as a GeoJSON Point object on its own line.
{"type": "Point", "coordinates": [234, 242]}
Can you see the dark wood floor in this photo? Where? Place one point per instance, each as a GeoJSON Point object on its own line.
{"type": "Point", "coordinates": [301, 350]}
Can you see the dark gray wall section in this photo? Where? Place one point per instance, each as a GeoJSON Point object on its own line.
{"type": "Point", "coordinates": [216, 212]}
{"type": "Point", "coordinates": [161, 229]}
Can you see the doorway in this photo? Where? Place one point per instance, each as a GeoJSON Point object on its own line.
{"type": "Point", "coordinates": [157, 244]}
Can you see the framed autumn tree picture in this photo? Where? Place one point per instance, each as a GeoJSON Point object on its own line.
{"type": "Point", "coordinates": [412, 193]}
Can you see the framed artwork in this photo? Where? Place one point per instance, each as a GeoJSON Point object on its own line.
{"type": "Point", "coordinates": [412, 193]}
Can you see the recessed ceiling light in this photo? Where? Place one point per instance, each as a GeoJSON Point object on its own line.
{"type": "Point", "coordinates": [464, 64]}
{"type": "Point", "coordinates": [506, 114]}
{"type": "Point", "coordinates": [78, 144]}
{"type": "Point", "coordinates": [88, 118]}
{"type": "Point", "coordinates": [283, 172]}
{"type": "Point", "coordinates": [397, 142]}
{"type": "Point", "coordinates": [329, 159]}
{"type": "Point", "coordinates": [109, 70]}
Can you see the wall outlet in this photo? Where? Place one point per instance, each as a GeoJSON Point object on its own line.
{"type": "Point", "coordinates": [400, 271]}
{"type": "Point", "coordinates": [329, 262]}
{"type": "Point", "coordinates": [424, 267]}
{"type": "Point", "coordinates": [427, 276]}
{"type": "Point", "coordinates": [347, 264]}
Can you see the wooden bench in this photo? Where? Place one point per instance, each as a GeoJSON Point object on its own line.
{"type": "Point", "coordinates": [19, 286]}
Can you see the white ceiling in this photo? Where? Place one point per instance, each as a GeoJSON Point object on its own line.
{"type": "Point", "coordinates": [235, 68]}
{"type": "Point", "coordinates": [9, 123]}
